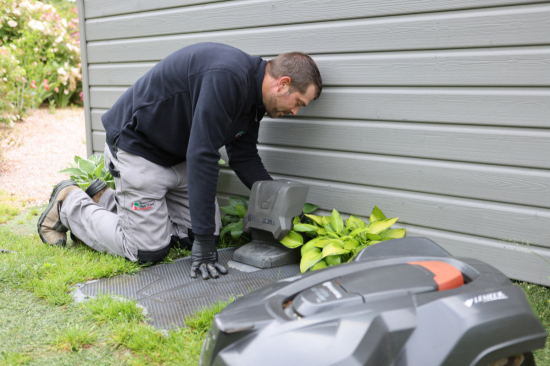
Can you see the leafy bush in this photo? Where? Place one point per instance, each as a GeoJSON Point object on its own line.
{"type": "Point", "coordinates": [334, 242]}
{"type": "Point", "coordinates": [85, 171]}
{"type": "Point", "coordinates": [12, 92]}
{"type": "Point", "coordinates": [47, 49]}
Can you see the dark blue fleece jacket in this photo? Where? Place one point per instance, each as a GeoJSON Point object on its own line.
{"type": "Point", "coordinates": [186, 108]}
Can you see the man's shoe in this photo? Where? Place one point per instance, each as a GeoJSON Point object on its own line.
{"type": "Point", "coordinates": [50, 228]}
{"type": "Point", "coordinates": [96, 189]}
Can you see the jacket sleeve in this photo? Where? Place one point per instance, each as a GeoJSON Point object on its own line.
{"type": "Point", "coordinates": [217, 99]}
{"type": "Point", "coordinates": [244, 158]}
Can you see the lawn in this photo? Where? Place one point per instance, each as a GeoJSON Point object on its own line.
{"type": "Point", "coordinates": [40, 325]}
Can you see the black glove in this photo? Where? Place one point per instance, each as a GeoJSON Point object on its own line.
{"type": "Point", "coordinates": [205, 257]}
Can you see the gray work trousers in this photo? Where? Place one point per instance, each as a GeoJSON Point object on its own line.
{"type": "Point", "coordinates": [150, 204]}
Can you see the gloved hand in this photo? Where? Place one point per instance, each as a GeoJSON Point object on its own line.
{"type": "Point", "coordinates": [204, 257]}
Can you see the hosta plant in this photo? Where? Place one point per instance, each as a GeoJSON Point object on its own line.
{"type": "Point", "coordinates": [232, 221]}
{"type": "Point", "coordinates": [85, 171]}
{"type": "Point", "coordinates": [334, 241]}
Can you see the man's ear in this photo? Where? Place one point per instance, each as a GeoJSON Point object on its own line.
{"type": "Point", "coordinates": [284, 82]}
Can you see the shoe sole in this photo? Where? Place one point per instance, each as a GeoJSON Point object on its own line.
{"type": "Point", "coordinates": [57, 188]}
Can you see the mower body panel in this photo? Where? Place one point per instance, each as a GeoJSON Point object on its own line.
{"type": "Point", "coordinates": [385, 308]}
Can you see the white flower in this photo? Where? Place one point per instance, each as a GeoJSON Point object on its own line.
{"type": "Point", "coordinates": [61, 71]}
{"type": "Point", "coordinates": [59, 39]}
{"type": "Point", "coordinates": [5, 79]}
{"type": "Point", "coordinates": [13, 46]}
{"type": "Point", "coordinates": [12, 23]}
{"type": "Point", "coordinates": [47, 7]}
{"type": "Point", "coordinates": [64, 22]}
{"type": "Point", "coordinates": [37, 25]}
{"type": "Point", "coordinates": [17, 12]}
{"type": "Point", "coordinates": [66, 92]}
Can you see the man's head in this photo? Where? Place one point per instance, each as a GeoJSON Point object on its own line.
{"type": "Point", "coordinates": [291, 81]}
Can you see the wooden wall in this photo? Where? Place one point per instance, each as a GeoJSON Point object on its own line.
{"type": "Point", "coordinates": [437, 111]}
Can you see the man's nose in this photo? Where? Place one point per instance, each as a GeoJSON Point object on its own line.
{"type": "Point", "coordinates": [294, 110]}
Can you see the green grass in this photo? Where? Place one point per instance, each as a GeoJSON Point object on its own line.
{"type": "Point", "coordinates": [75, 338]}
{"type": "Point", "coordinates": [539, 298]}
{"type": "Point", "coordinates": [40, 325]}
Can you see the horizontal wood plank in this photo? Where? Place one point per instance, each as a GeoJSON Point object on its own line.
{"type": "Point", "coordinates": [484, 106]}
{"type": "Point", "coordinates": [517, 66]}
{"type": "Point", "coordinates": [520, 147]}
{"type": "Point", "coordinates": [98, 140]}
{"type": "Point", "coordinates": [96, 114]}
{"type": "Point", "coordinates": [490, 145]}
{"type": "Point", "coordinates": [521, 186]}
{"type": "Point", "coordinates": [507, 26]}
{"type": "Point", "coordinates": [459, 215]}
{"type": "Point", "coordinates": [260, 13]}
{"type": "Point", "coordinates": [102, 8]}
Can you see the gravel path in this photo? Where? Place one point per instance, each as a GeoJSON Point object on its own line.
{"type": "Point", "coordinates": [33, 151]}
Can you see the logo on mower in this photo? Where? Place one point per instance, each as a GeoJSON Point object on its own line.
{"type": "Point", "coordinates": [486, 298]}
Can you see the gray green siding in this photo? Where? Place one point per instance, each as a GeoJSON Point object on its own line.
{"type": "Point", "coordinates": [436, 111]}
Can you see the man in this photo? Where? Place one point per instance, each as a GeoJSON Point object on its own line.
{"type": "Point", "coordinates": [163, 137]}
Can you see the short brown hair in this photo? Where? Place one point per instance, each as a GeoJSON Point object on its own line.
{"type": "Point", "coordinates": [300, 68]}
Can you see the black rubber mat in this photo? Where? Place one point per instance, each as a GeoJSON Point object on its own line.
{"type": "Point", "coordinates": [169, 294]}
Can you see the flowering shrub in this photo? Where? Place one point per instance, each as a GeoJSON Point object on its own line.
{"type": "Point", "coordinates": [47, 50]}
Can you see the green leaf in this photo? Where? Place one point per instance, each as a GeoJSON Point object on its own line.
{"type": "Point", "coordinates": [359, 231]}
{"type": "Point", "coordinates": [317, 219]}
{"type": "Point", "coordinates": [333, 235]}
{"type": "Point", "coordinates": [325, 220]}
{"type": "Point", "coordinates": [351, 244]}
{"type": "Point", "coordinates": [296, 220]}
{"type": "Point", "coordinates": [221, 162]}
{"type": "Point", "coordinates": [354, 222]}
{"type": "Point", "coordinates": [84, 185]}
{"type": "Point", "coordinates": [234, 201]}
{"type": "Point", "coordinates": [334, 247]}
{"type": "Point", "coordinates": [309, 208]}
{"type": "Point", "coordinates": [381, 225]}
{"type": "Point", "coordinates": [307, 247]}
{"type": "Point", "coordinates": [93, 159]}
{"type": "Point", "coordinates": [311, 258]}
{"type": "Point", "coordinates": [241, 211]}
{"type": "Point", "coordinates": [237, 230]}
{"type": "Point", "coordinates": [292, 240]}
{"type": "Point", "coordinates": [229, 210]}
{"type": "Point", "coordinates": [376, 215]}
{"type": "Point", "coordinates": [74, 171]}
{"type": "Point", "coordinates": [228, 228]}
{"type": "Point", "coordinates": [393, 234]}
{"type": "Point", "coordinates": [98, 170]}
{"type": "Point", "coordinates": [77, 159]}
{"type": "Point", "coordinates": [373, 237]}
{"type": "Point", "coordinates": [87, 166]}
{"type": "Point", "coordinates": [305, 228]}
{"type": "Point", "coordinates": [319, 265]}
{"type": "Point", "coordinates": [321, 232]}
{"type": "Point", "coordinates": [333, 260]}
{"type": "Point", "coordinates": [336, 221]}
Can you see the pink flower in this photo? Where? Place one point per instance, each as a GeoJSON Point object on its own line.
{"type": "Point", "coordinates": [46, 84]}
{"type": "Point", "coordinates": [33, 84]}
{"type": "Point", "coordinates": [24, 80]}
{"type": "Point", "coordinates": [81, 96]}
{"type": "Point", "coordinates": [56, 89]}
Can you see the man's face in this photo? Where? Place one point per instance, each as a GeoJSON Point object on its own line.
{"type": "Point", "coordinates": [280, 101]}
